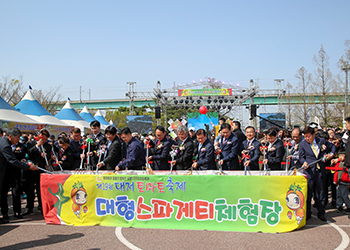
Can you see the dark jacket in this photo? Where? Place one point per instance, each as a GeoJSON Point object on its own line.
{"type": "Point", "coordinates": [34, 154]}
{"type": "Point", "coordinates": [229, 152]}
{"type": "Point", "coordinates": [135, 156]}
{"type": "Point", "coordinates": [205, 156]}
{"type": "Point", "coordinates": [239, 134]}
{"type": "Point", "coordinates": [161, 153]}
{"type": "Point", "coordinates": [8, 157]}
{"type": "Point", "coordinates": [113, 154]}
{"type": "Point", "coordinates": [306, 154]}
{"type": "Point", "coordinates": [254, 153]}
{"type": "Point", "coordinates": [77, 151]}
{"type": "Point", "coordinates": [67, 158]}
{"type": "Point", "coordinates": [275, 155]}
{"type": "Point", "coordinates": [184, 157]}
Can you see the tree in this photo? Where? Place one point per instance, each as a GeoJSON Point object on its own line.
{"type": "Point", "coordinates": [11, 89]}
{"type": "Point", "coordinates": [302, 111]}
{"type": "Point", "coordinates": [323, 81]}
{"type": "Point", "coordinates": [49, 99]}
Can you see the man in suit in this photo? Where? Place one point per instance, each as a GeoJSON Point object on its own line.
{"type": "Point", "coordinates": [75, 144]}
{"type": "Point", "coordinates": [64, 155]}
{"type": "Point", "coordinates": [161, 150]}
{"type": "Point", "coordinates": [135, 153]}
{"type": "Point", "coordinates": [236, 130]}
{"type": "Point", "coordinates": [12, 180]}
{"type": "Point", "coordinates": [297, 137]}
{"type": "Point", "coordinates": [252, 145]}
{"type": "Point", "coordinates": [7, 157]}
{"type": "Point", "coordinates": [185, 149]}
{"type": "Point", "coordinates": [204, 153]}
{"type": "Point", "coordinates": [39, 153]}
{"type": "Point", "coordinates": [113, 154]}
{"type": "Point", "coordinates": [229, 148]}
{"type": "Point", "coordinates": [98, 138]}
{"type": "Point", "coordinates": [275, 150]}
{"type": "Point", "coordinates": [310, 150]}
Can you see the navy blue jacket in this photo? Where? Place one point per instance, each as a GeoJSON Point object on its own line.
{"type": "Point", "coordinates": [77, 151]}
{"type": "Point", "coordinates": [275, 156]}
{"type": "Point", "coordinates": [135, 156]}
{"type": "Point", "coordinates": [205, 156]}
{"type": "Point", "coordinates": [161, 154]}
{"type": "Point", "coordinates": [254, 153]}
{"type": "Point", "coordinates": [307, 155]}
{"type": "Point", "coordinates": [8, 157]}
{"type": "Point", "coordinates": [229, 151]}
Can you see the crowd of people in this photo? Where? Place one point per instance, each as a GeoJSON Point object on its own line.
{"type": "Point", "coordinates": [322, 155]}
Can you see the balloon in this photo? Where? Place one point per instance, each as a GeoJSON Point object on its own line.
{"type": "Point", "coordinates": [203, 110]}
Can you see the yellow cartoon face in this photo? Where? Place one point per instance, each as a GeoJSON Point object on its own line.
{"type": "Point", "coordinates": [293, 201]}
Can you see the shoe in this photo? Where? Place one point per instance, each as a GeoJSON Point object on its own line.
{"type": "Point", "coordinates": [347, 211]}
{"type": "Point", "coordinates": [30, 211]}
{"type": "Point", "coordinates": [340, 209]}
{"type": "Point", "coordinates": [322, 217]}
{"type": "Point", "coordinates": [5, 217]}
{"type": "Point", "coordinates": [18, 215]}
{"type": "Point", "coordinates": [2, 221]}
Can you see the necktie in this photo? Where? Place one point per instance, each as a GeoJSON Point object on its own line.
{"type": "Point", "coordinates": [314, 149]}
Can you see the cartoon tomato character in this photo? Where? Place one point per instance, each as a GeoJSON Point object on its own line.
{"type": "Point", "coordinates": [295, 201]}
{"type": "Point", "coordinates": [79, 197]}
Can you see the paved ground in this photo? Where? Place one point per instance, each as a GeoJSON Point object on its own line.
{"type": "Point", "coordinates": [32, 233]}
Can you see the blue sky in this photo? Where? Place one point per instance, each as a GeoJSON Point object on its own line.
{"type": "Point", "coordinates": [101, 45]}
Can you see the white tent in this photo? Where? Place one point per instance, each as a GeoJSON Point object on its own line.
{"type": "Point", "coordinates": [10, 114]}
{"type": "Point", "coordinates": [86, 115]}
{"type": "Point", "coordinates": [99, 117]}
{"type": "Point", "coordinates": [68, 115]}
{"type": "Point", "coordinates": [33, 109]}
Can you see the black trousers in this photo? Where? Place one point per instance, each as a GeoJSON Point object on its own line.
{"type": "Point", "coordinates": [315, 188]}
{"type": "Point", "coordinates": [33, 184]}
{"type": "Point", "coordinates": [13, 181]}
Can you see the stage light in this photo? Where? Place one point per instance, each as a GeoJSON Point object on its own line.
{"type": "Point", "coordinates": [241, 97]}
{"type": "Point", "coordinates": [209, 101]}
{"type": "Point", "coordinates": [215, 100]}
{"type": "Point", "coordinates": [224, 106]}
{"type": "Point", "coordinates": [198, 101]}
{"type": "Point", "coordinates": [236, 97]}
{"type": "Point", "coordinates": [232, 101]}
{"type": "Point", "coordinates": [220, 101]}
{"type": "Point", "coordinates": [181, 101]}
{"type": "Point", "coordinates": [187, 97]}
{"type": "Point", "coordinates": [209, 97]}
{"type": "Point", "coordinates": [186, 101]}
{"type": "Point", "coordinates": [192, 101]}
{"type": "Point", "coordinates": [208, 107]}
{"type": "Point", "coordinates": [226, 100]}
{"type": "Point", "coordinates": [175, 101]}
{"type": "Point", "coordinates": [219, 107]}
{"type": "Point", "coordinates": [174, 98]}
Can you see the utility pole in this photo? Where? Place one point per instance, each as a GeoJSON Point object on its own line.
{"type": "Point", "coordinates": [346, 68]}
{"type": "Point", "coordinates": [279, 87]}
{"type": "Point", "coordinates": [131, 95]}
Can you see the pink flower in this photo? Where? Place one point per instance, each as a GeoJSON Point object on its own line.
{"type": "Point", "coordinates": [324, 147]}
{"type": "Point", "coordinates": [203, 149]}
{"type": "Point", "coordinates": [272, 149]}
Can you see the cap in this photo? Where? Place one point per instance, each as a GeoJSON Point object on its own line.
{"type": "Point", "coordinates": [192, 128]}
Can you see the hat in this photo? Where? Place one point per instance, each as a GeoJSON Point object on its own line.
{"type": "Point", "coordinates": [192, 128]}
{"type": "Point", "coordinates": [313, 125]}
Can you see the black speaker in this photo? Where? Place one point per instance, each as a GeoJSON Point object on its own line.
{"type": "Point", "coordinates": [253, 111]}
{"type": "Point", "coordinates": [158, 113]}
